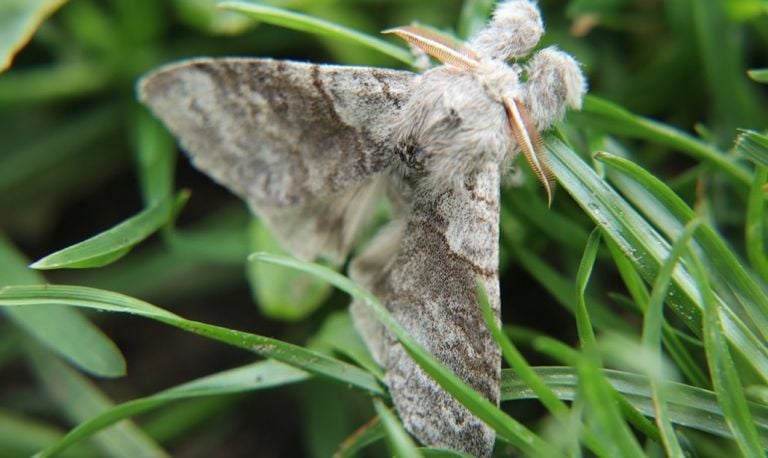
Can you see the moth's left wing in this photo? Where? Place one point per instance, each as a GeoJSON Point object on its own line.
{"type": "Point", "coordinates": [283, 135]}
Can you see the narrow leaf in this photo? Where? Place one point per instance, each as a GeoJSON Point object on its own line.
{"type": "Point", "coordinates": [61, 330]}
{"type": "Point", "coordinates": [400, 443]}
{"type": "Point", "coordinates": [725, 378]}
{"type": "Point", "coordinates": [112, 244]}
{"type": "Point", "coordinates": [505, 426]}
{"type": "Point", "coordinates": [80, 399]}
{"type": "Point", "coordinates": [759, 74]}
{"type": "Point", "coordinates": [257, 376]}
{"type": "Point", "coordinates": [304, 23]}
{"type": "Point", "coordinates": [19, 19]}
{"type": "Point", "coordinates": [78, 296]}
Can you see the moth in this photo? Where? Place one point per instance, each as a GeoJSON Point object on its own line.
{"type": "Point", "coordinates": [313, 148]}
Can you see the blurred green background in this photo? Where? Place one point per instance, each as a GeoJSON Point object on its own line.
{"type": "Point", "coordinates": [78, 155]}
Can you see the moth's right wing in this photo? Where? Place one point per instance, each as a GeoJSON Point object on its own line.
{"type": "Point", "coordinates": [284, 136]}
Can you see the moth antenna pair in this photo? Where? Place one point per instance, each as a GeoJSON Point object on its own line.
{"type": "Point", "coordinates": [458, 55]}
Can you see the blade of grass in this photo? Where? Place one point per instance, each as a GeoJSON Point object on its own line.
{"type": "Point", "coordinates": [61, 330]}
{"type": "Point", "coordinates": [615, 119]}
{"type": "Point", "coordinates": [653, 322]}
{"type": "Point", "coordinates": [79, 399]}
{"type": "Point", "coordinates": [19, 19]}
{"type": "Point", "coordinates": [749, 295]}
{"type": "Point", "coordinates": [305, 23]}
{"type": "Point", "coordinates": [600, 406]}
{"type": "Point", "coordinates": [114, 243]}
{"type": "Point", "coordinates": [155, 157]}
{"type": "Point", "coordinates": [646, 249]}
{"type": "Point", "coordinates": [364, 436]}
{"type": "Point", "coordinates": [294, 355]}
{"type": "Point", "coordinates": [753, 146]}
{"type": "Point", "coordinates": [679, 353]}
{"type": "Point", "coordinates": [755, 227]}
{"type": "Point", "coordinates": [400, 443]}
{"type": "Point", "coordinates": [610, 420]}
{"type": "Point", "coordinates": [728, 388]}
{"type": "Point", "coordinates": [759, 74]}
{"type": "Point", "coordinates": [526, 373]}
{"type": "Point", "coordinates": [506, 427]}
{"type": "Point", "coordinates": [22, 436]}
{"type": "Point", "coordinates": [583, 322]}
{"type": "Point", "coordinates": [689, 406]}
{"type": "Point", "coordinates": [252, 377]}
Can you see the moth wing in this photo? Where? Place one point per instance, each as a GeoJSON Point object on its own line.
{"type": "Point", "coordinates": [284, 136]}
{"type": "Point", "coordinates": [447, 242]}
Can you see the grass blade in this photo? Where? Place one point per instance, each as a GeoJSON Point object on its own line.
{"type": "Point", "coordinates": [653, 323]}
{"type": "Point", "coordinates": [400, 443]}
{"type": "Point", "coordinates": [689, 406]}
{"type": "Point", "coordinates": [759, 74]}
{"type": "Point", "coordinates": [615, 119]}
{"type": "Point", "coordinates": [646, 249]}
{"type": "Point", "coordinates": [80, 399]}
{"type": "Point", "coordinates": [309, 24]}
{"type": "Point", "coordinates": [79, 296]}
{"type": "Point", "coordinates": [114, 243]}
{"type": "Point", "coordinates": [730, 392]}
{"type": "Point", "coordinates": [256, 376]}
{"type": "Point", "coordinates": [61, 330]}
{"type": "Point", "coordinates": [753, 146]}
{"type": "Point", "coordinates": [506, 427]}
{"type": "Point", "coordinates": [19, 19]}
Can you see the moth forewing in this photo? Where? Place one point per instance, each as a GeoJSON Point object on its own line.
{"type": "Point", "coordinates": [438, 46]}
{"type": "Point", "coordinates": [530, 143]}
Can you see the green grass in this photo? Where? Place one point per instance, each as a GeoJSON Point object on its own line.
{"type": "Point", "coordinates": [635, 310]}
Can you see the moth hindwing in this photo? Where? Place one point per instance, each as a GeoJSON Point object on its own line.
{"type": "Point", "coordinates": [312, 148]}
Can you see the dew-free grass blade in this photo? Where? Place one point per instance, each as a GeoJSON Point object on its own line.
{"type": "Point", "coordinates": [257, 376]}
{"type": "Point", "coordinates": [526, 373]}
{"type": "Point", "coordinates": [724, 373]}
{"type": "Point", "coordinates": [759, 74]}
{"type": "Point", "coordinates": [506, 427]}
{"type": "Point", "coordinates": [400, 443]}
{"type": "Point", "coordinates": [19, 19]}
{"type": "Point", "coordinates": [155, 155]}
{"type": "Point", "coordinates": [689, 406]}
{"type": "Point", "coordinates": [79, 296]}
{"type": "Point", "coordinates": [282, 293]}
{"type": "Point", "coordinates": [114, 243]}
{"type": "Point", "coordinates": [61, 330]}
{"type": "Point", "coordinates": [79, 399]}
{"type": "Point", "coordinates": [753, 146]}
{"type": "Point", "coordinates": [309, 24]}
{"type": "Point", "coordinates": [653, 324]}
{"type": "Point", "coordinates": [616, 119]}
{"type": "Point", "coordinates": [755, 224]}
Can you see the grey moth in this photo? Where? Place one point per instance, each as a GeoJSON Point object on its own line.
{"type": "Point", "coordinates": [312, 148]}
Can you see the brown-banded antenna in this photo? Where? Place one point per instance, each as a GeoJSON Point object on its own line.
{"type": "Point", "coordinates": [439, 46]}
{"type": "Point", "coordinates": [529, 140]}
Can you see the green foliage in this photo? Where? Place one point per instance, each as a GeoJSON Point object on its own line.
{"type": "Point", "coordinates": [666, 167]}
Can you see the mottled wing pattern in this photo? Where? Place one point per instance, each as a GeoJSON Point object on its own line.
{"type": "Point", "coordinates": [283, 135]}
{"type": "Point", "coordinates": [449, 240]}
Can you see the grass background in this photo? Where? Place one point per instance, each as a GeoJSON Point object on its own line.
{"type": "Point", "coordinates": [671, 286]}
